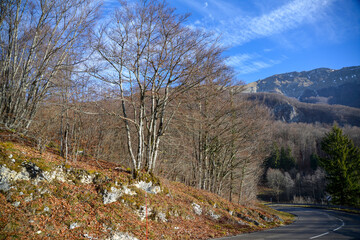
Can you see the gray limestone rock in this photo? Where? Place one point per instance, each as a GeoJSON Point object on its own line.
{"type": "Point", "coordinates": [121, 236]}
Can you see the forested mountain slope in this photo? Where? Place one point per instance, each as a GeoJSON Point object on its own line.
{"type": "Point", "coordinates": [291, 110]}
{"type": "Point", "coordinates": [322, 85]}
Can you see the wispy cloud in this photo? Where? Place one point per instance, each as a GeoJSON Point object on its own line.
{"type": "Point", "coordinates": [239, 59]}
{"type": "Point", "coordinates": [250, 63]}
{"type": "Point", "coordinates": [288, 16]}
{"type": "Point", "coordinates": [258, 33]}
{"type": "Point", "coordinates": [239, 28]}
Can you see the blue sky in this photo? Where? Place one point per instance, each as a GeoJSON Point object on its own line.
{"type": "Point", "coordinates": [267, 37]}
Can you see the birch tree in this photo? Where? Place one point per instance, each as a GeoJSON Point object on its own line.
{"type": "Point", "coordinates": [149, 55]}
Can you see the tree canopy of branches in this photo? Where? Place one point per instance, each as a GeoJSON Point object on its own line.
{"type": "Point", "coordinates": [342, 165]}
{"type": "Point", "coordinates": [216, 142]}
{"type": "Point", "coordinates": [36, 40]}
{"type": "Point", "coordinates": [151, 58]}
{"type": "Point", "coordinates": [280, 181]}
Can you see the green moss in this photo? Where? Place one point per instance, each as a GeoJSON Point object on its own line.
{"type": "Point", "coordinates": [36, 207]}
{"type": "Point", "coordinates": [60, 190]}
{"type": "Point", "coordinates": [79, 172]}
{"type": "Point", "coordinates": [76, 175]}
{"type": "Point", "coordinates": [165, 190]}
{"type": "Point", "coordinates": [43, 164]}
{"type": "Point", "coordinates": [67, 166]}
{"type": "Point", "coordinates": [176, 211]}
{"type": "Point", "coordinates": [135, 201]}
{"type": "Point", "coordinates": [8, 146]}
{"type": "Point", "coordinates": [144, 176]}
{"type": "Point", "coordinates": [104, 184]}
{"type": "Point", "coordinates": [92, 172]}
{"type": "Point", "coordinates": [25, 187]}
{"type": "Point", "coordinates": [6, 149]}
{"type": "Point", "coordinates": [198, 197]}
{"type": "Point", "coordinates": [100, 178]}
{"type": "Point", "coordinates": [85, 197]}
{"type": "Point", "coordinates": [45, 195]}
{"type": "Point", "coordinates": [16, 166]}
{"type": "Point", "coordinates": [73, 200]}
{"type": "Point", "coordinates": [217, 227]}
{"type": "Point", "coordinates": [53, 145]}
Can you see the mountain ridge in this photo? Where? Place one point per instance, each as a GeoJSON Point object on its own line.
{"type": "Point", "coordinates": [321, 85]}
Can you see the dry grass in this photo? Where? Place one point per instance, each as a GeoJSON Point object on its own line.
{"type": "Point", "coordinates": [47, 210]}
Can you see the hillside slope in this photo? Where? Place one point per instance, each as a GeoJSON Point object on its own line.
{"type": "Point", "coordinates": [42, 197]}
{"type": "Point", "coordinates": [322, 85]}
{"type": "Point", "coordinates": [291, 110]}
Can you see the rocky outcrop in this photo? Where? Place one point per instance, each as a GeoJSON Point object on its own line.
{"type": "Point", "coordinates": [197, 208]}
{"type": "Point", "coordinates": [7, 176]}
{"type": "Point", "coordinates": [31, 173]}
{"type": "Point", "coordinates": [121, 236]}
{"type": "Point", "coordinates": [45, 198]}
{"type": "Point", "coordinates": [148, 187]}
{"type": "Point", "coordinates": [286, 112]}
{"type": "Point", "coordinates": [112, 195]}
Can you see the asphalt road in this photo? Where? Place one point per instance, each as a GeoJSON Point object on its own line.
{"type": "Point", "coordinates": [311, 223]}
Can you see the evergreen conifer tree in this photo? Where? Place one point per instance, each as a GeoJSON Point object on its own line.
{"type": "Point", "coordinates": [314, 161]}
{"type": "Point", "coordinates": [287, 161]}
{"type": "Point", "coordinates": [342, 165]}
{"type": "Point", "coordinates": [273, 161]}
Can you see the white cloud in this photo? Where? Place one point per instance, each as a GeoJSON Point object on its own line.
{"type": "Point", "coordinates": [239, 59]}
{"type": "Point", "coordinates": [250, 63]}
{"type": "Point", "coordinates": [206, 4]}
{"type": "Point", "coordinates": [240, 29]}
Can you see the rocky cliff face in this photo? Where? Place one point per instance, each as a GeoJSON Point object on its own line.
{"type": "Point", "coordinates": [322, 85]}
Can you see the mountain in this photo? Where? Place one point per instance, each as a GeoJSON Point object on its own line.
{"type": "Point", "coordinates": [290, 110]}
{"type": "Point", "coordinates": [322, 85]}
{"type": "Point", "coordinates": [42, 196]}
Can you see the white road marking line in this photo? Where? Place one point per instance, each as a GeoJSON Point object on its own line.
{"type": "Point", "coordinates": [343, 224]}
{"type": "Point", "coordinates": [319, 235]}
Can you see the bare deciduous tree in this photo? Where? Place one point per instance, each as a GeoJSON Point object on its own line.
{"type": "Point", "coordinates": [36, 39]}
{"type": "Point", "coordinates": [276, 181]}
{"type": "Point", "coordinates": [151, 58]}
{"type": "Point", "coordinates": [216, 141]}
